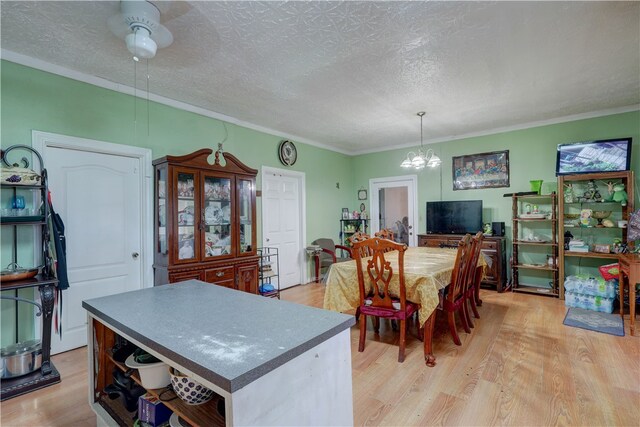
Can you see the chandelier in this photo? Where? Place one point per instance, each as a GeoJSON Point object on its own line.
{"type": "Point", "coordinates": [423, 157]}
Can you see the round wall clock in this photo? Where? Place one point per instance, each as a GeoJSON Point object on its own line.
{"type": "Point", "coordinates": [287, 153]}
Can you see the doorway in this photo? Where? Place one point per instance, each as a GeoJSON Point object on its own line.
{"type": "Point", "coordinates": [284, 222]}
{"type": "Point", "coordinates": [394, 205]}
{"type": "Point", "coordinates": [102, 191]}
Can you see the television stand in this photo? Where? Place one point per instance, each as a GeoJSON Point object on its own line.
{"type": "Point", "coordinates": [494, 248]}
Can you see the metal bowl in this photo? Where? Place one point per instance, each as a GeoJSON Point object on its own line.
{"type": "Point", "coordinates": [600, 214]}
{"type": "Point", "coordinates": [15, 272]}
{"type": "Point", "coordinates": [20, 359]}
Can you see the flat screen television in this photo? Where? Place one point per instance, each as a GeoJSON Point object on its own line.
{"type": "Point", "coordinates": [606, 155]}
{"type": "Point", "coordinates": [454, 217]}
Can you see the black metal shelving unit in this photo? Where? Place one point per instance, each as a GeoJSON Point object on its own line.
{"type": "Point", "coordinates": [45, 281]}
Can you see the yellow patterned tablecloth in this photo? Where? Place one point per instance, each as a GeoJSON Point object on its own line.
{"type": "Point", "coordinates": [426, 271]}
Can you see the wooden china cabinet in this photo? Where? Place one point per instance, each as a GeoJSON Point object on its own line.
{"type": "Point", "coordinates": [205, 224]}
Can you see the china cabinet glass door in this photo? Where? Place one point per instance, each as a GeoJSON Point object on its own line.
{"type": "Point", "coordinates": [185, 215]}
{"type": "Point", "coordinates": [216, 217]}
{"type": "Point", "coordinates": [245, 193]}
{"type": "Point", "coordinates": [161, 209]}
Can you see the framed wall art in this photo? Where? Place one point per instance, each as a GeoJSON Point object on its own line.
{"type": "Point", "coordinates": [484, 170]}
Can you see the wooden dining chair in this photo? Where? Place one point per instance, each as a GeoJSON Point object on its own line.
{"type": "Point", "coordinates": [359, 237]}
{"type": "Point", "coordinates": [385, 233]}
{"type": "Point", "coordinates": [455, 297]}
{"type": "Point", "coordinates": [377, 301]}
{"type": "Point", "coordinates": [473, 277]}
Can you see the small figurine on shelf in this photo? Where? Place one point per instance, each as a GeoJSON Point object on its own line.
{"type": "Point", "coordinates": [486, 229]}
{"type": "Point", "coordinates": [568, 193]}
{"type": "Point", "coordinates": [592, 194]}
{"type": "Point", "coordinates": [619, 195]}
{"type": "Point", "coordinates": [585, 217]}
{"type": "Point", "coordinates": [356, 215]}
{"type": "Point", "coordinates": [610, 190]}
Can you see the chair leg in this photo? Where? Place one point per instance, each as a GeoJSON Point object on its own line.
{"type": "Point", "coordinates": [474, 306]}
{"type": "Point", "coordinates": [463, 317]}
{"type": "Point", "coordinates": [403, 338]}
{"type": "Point", "coordinates": [452, 327]}
{"type": "Point", "coordinates": [479, 275]}
{"type": "Point", "coordinates": [358, 314]}
{"type": "Point", "coordinates": [363, 331]}
{"type": "Point", "coordinates": [467, 314]}
{"type": "Point", "coordinates": [376, 324]}
{"type": "Point", "coordinates": [317, 262]}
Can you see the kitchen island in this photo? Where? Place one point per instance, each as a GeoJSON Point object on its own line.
{"type": "Point", "coordinates": [269, 362]}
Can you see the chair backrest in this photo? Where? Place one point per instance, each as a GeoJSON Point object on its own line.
{"type": "Point", "coordinates": [358, 237]}
{"type": "Point", "coordinates": [460, 269]}
{"type": "Point", "coordinates": [325, 243]}
{"type": "Point", "coordinates": [379, 272]}
{"type": "Point", "coordinates": [476, 248]}
{"type": "Point", "coordinates": [385, 233]}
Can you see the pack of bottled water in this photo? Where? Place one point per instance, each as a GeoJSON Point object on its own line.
{"type": "Point", "coordinates": [590, 293]}
{"type": "Point", "coordinates": [592, 286]}
{"type": "Point", "coordinates": [589, 302]}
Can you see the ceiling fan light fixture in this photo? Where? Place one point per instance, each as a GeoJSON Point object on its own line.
{"type": "Point", "coordinates": [138, 23]}
{"type": "Point", "coordinates": [140, 44]}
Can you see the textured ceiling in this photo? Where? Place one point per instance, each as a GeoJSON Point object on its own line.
{"type": "Point", "coordinates": [352, 75]}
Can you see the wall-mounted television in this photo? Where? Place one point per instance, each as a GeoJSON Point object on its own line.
{"type": "Point", "coordinates": [606, 155]}
{"type": "Point", "coordinates": [454, 217]}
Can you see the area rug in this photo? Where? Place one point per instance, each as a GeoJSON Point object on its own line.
{"type": "Point", "coordinates": [594, 321]}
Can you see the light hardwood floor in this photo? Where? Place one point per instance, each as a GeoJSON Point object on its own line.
{"type": "Point", "coordinates": [519, 366]}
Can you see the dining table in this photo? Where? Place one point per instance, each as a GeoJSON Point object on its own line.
{"type": "Point", "coordinates": [427, 271]}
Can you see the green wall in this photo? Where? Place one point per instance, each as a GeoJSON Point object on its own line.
{"type": "Point", "coordinates": [532, 155]}
{"type": "Point", "coordinates": [36, 100]}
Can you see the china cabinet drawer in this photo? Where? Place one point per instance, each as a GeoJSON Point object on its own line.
{"type": "Point", "coordinates": [185, 275]}
{"type": "Point", "coordinates": [217, 275]}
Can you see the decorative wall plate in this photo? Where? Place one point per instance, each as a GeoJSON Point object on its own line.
{"type": "Point", "coordinates": [287, 153]}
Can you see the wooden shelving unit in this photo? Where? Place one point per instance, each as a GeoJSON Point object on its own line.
{"type": "Point", "coordinates": [621, 212]}
{"type": "Point", "coordinates": [520, 245]}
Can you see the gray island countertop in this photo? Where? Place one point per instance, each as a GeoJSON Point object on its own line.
{"type": "Point", "coordinates": [228, 337]}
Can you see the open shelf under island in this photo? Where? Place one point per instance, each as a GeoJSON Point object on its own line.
{"type": "Point", "coordinates": [242, 346]}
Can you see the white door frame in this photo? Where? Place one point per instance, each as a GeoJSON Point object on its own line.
{"type": "Point", "coordinates": [411, 181]}
{"type": "Point", "coordinates": [41, 140]}
{"type": "Point", "coordinates": [302, 200]}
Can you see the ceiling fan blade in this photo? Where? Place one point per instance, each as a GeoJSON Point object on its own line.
{"type": "Point", "coordinates": [162, 36]}
{"type": "Point", "coordinates": [171, 9]}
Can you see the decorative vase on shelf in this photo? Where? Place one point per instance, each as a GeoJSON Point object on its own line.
{"type": "Point", "coordinates": [536, 185]}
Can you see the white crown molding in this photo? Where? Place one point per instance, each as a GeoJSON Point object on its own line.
{"type": "Point", "coordinates": [494, 131]}
{"type": "Point", "coordinates": [48, 67]}
{"type": "Point", "coordinates": [107, 84]}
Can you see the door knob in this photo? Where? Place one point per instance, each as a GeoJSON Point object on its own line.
{"type": "Point", "coordinates": [267, 239]}
{"type": "Point", "coordinates": [135, 255]}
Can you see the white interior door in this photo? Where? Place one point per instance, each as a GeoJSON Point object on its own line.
{"type": "Point", "coordinates": [394, 205]}
{"type": "Point", "coordinates": [99, 199]}
{"type": "Point", "coordinates": [282, 221]}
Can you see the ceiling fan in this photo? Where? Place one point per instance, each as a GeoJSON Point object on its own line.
{"type": "Point", "coordinates": [138, 23]}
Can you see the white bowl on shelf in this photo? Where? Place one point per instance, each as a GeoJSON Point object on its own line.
{"type": "Point", "coordinates": [188, 389]}
{"type": "Point", "coordinates": [152, 375]}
